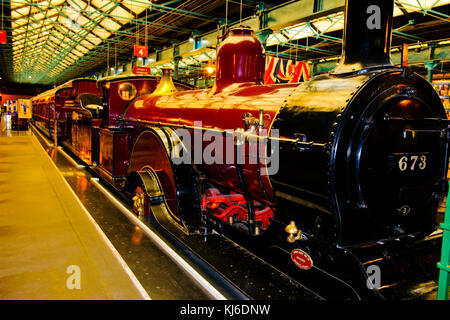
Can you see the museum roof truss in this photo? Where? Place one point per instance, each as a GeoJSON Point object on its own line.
{"type": "Point", "coordinates": [56, 38]}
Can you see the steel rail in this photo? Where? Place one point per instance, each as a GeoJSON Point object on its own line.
{"type": "Point", "coordinates": [182, 263]}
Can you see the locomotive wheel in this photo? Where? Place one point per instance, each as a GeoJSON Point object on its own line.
{"type": "Point", "coordinates": [169, 191]}
{"type": "Point", "coordinates": [148, 198]}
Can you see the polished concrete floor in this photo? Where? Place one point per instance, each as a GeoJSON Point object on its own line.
{"type": "Point", "coordinates": [49, 248]}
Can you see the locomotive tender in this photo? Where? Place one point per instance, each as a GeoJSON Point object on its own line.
{"type": "Point", "coordinates": [360, 157]}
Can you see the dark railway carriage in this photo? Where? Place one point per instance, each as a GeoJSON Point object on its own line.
{"type": "Point", "coordinates": [50, 108]}
{"type": "Point", "coordinates": [336, 181]}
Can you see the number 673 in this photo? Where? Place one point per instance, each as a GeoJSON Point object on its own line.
{"type": "Point", "coordinates": [412, 162]}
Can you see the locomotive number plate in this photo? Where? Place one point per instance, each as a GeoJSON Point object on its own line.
{"type": "Point", "coordinates": [409, 162]}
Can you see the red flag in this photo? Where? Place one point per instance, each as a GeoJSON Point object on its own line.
{"type": "Point", "coordinates": [2, 37]}
{"type": "Point", "coordinates": [285, 71]}
{"type": "Point", "coordinates": [140, 51]}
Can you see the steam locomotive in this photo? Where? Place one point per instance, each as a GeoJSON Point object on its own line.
{"type": "Point", "coordinates": [324, 178]}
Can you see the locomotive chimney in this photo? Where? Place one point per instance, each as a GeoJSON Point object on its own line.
{"type": "Point", "coordinates": [240, 59]}
{"type": "Point", "coordinates": [165, 85]}
{"type": "Point", "coordinates": [367, 35]}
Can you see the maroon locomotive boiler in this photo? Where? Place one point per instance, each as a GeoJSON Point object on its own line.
{"type": "Point", "coordinates": [323, 177]}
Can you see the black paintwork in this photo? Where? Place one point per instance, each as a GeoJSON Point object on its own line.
{"type": "Point", "coordinates": [347, 193]}
{"type": "Point", "coordinates": [347, 185]}
{"type": "Point", "coordinates": [367, 36]}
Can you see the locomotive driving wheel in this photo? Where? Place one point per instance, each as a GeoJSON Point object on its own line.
{"type": "Point", "coordinates": [160, 188]}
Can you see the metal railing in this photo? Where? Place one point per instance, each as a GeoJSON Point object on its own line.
{"type": "Point", "coordinates": [444, 264]}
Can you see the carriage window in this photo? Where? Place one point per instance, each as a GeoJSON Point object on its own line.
{"type": "Point", "coordinates": [127, 91]}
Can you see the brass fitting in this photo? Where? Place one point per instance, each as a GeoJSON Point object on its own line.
{"type": "Point", "coordinates": [294, 233]}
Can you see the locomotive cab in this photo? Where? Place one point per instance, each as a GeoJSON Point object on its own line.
{"type": "Point", "coordinates": [119, 91]}
{"type": "Point", "coordinates": [91, 102]}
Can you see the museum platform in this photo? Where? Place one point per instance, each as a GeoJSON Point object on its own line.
{"type": "Point", "coordinates": [50, 247]}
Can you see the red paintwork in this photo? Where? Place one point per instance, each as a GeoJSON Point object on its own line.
{"type": "Point", "coordinates": [238, 90]}
{"type": "Point", "coordinates": [113, 152]}
{"type": "Point", "coordinates": [222, 111]}
{"type": "Point", "coordinates": [81, 141]}
{"type": "Point", "coordinates": [115, 104]}
{"type": "Point", "coordinates": [301, 259]}
{"type": "Point", "coordinates": [231, 205]}
{"type": "Point", "coordinates": [141, 142]}
{"type": "Point", "coordinates": [240, 59]}
{"type": "Point", "coordinates": [148, 151]}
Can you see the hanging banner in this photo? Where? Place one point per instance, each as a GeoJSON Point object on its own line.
{"type": "Point", "coordinates": [141, 70]}
{"type": "Point", "coordinates": [2, 37]}
{"type": "Point", "coordinates": [280, 70]}
{"type": "Point", "coordinates": [140, 51]}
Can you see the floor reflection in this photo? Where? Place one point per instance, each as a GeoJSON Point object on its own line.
{"type": "Point", "coordinates": [136, 236]}
{"type": "Point", "coordinates": [157, 273]}
{"type": "Point", "coordinates": [6, 127]}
